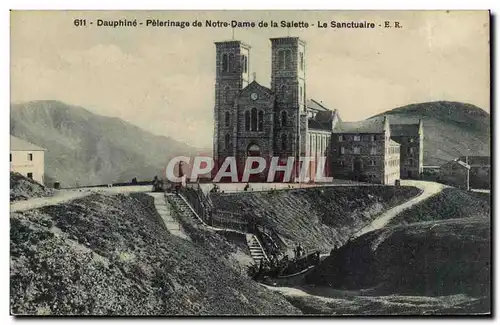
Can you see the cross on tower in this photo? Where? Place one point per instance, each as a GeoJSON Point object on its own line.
{"type": "Point", "coordinates": [254, 76]}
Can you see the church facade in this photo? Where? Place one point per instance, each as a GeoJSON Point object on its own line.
{"type": "Point", "coordinates": [281, 121]}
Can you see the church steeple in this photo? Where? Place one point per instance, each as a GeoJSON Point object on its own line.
{"type": "Point", "coordinates": [232, 74]}
{"type": "Point", "coordinates": [288, 73]}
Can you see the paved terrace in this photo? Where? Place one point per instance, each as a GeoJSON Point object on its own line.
{"type": "Point", "coordinates": [239, 187]}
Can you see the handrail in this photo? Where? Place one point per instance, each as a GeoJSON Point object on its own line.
{"type": "Point", "coordinates": [203, 206]}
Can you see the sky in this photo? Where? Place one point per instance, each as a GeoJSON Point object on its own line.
{"type": "Point", "coordinates": [162, 78]}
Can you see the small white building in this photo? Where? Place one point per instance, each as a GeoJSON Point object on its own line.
{"type": "Point", "coordinates": [27, 159]}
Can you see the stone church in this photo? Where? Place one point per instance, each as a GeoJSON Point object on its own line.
{"type": "Point", "coordinates": [281, 121]}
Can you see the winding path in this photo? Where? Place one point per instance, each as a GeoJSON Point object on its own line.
{"type": "Point", "coordinates": [62, 196]}
{"type": "Point", "coordinates": [428, 189]}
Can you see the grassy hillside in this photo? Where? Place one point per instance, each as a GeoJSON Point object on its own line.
{"type": "Point", "coordinates": [451, 129]}
{"type": "Point", "coordinates": [23, 188]}
{"type": "Point", "coordinates": [443, 258]}
{"type": "Point", "coordinates": [113, 255]}
{"type": "Point", "coordinates": [319, 218]}
{"type": "Point", "coordinates": [84, 148]}
{"type": "Point", "coordinates": [451, 203]}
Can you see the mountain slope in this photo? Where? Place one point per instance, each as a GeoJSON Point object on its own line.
{"type": "Point", "coordinates": [435, 258]}
{"type": "Point", "coordinates": [112, 255]}
{"type": "Point", "coordinates": [451, 129]}
{"type": "Point", "coordinates": [84, 148]}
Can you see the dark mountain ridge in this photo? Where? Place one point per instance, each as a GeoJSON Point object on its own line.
{"type": "Point", "coordinates": [84, 148]}
{"type": "Point", "coordinates": [451, 129]}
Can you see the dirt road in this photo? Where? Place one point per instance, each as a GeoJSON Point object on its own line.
{"type": "Point", "coordinates": [62, 196]}
{"type": "Point", "coordinates": [428, 189]}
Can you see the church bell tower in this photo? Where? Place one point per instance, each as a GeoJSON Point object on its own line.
{"type": "Point", "coordinates": [288, 82]}
{"type": "Point", "coordinates": [232, 75]}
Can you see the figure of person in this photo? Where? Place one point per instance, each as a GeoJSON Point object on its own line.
{"type": "Point", "coordinates": [155, 183]}
{"type": "Point", "coordinates": [246, 187]}
{"type": "Point", "coordinates": [300, 250]}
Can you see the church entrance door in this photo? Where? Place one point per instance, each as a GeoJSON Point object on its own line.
{"type": "Point", "coordinates": [254, 150]}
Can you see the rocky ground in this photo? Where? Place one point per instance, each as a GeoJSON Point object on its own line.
{"type": "Point", "coordinates": [318, 218]}
{"type": "Point", "coordinates": [111, 254]}
{"type": "Point", "coordinates": [23, 188]}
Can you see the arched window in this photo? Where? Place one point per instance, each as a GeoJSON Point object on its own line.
{"type": "Point", "coordinates": [232, 65]}
{"type": "Point", "coordinates": [260, 124]}
{"type": "Point", "coordinates": [284, 117]}
{"type": "Point", "coordinates": [227, 95]}
{"type": "Point", "coordinates": [227, 119]}
{"type": "Point", "coordinates": [227, 141]}
{"type": "Point", "coordinates": [284, 142]}
{"type": "Point", "coordinates": [284, 59]}
{"type": "Point", "coordinates": [247, 121]}
{"type": "Point", "coordinates": [288, 59]}
{"type": "Point", "coordinates": [254, 119]}
{"type": "Point", "coordinates": [301, 95]}
{"type": "Point", "coordinates": [244, 63]}
{"type": "Point", "coordinates": [281, 59]}
{"type": "Point", "coordinates": [225, 65]}
{"type": "Point", "coordinates": [253, 150]}
{"type": "Point", "coordinates": [284, 92]}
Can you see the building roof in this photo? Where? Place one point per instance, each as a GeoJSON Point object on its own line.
{"type": "Point", "coordinates": [461, 163]}
{"type": "Point", "coordinates": [458, 162]}
{"type": "Point", "coordinates": [367, 126]}
{"type": "Point", "coordinates": [231, 42]}
{"type": "Point", "coordinates": [404, 129]}
{"type": "Point", "coordinates": [394, 143]}
{"type": "Point", "coordinates": [476, 161]}
{"type": "Point", "coordinates": [315, 105]}
{"type": "Point", "coordinates": [315, 125]}
{"type": "Point", "coordinates": [18, 144]}
{"type": "Point", "coordinates": [255, 86]}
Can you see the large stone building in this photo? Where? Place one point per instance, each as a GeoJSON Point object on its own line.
{"type": "Point", "coordinates": [411, 138]}
{"type": "Point", "coordinates": [364, 151]}
{"type": "Point", "coordinates": [455, 173]}
{"type": "Point", "coordinates": [253, 120]}
{"type": "Point", "coordinates": [281, 121]}
{"type": "Point", "coordinates": [27, 159]}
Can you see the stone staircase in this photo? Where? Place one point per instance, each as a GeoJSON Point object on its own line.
{"type": "Point", "coordinates": [184, 207]}
{"type": "Point", "coordinates": [256, 250]}
{"type": "Point", "coordinates": [163, 209]}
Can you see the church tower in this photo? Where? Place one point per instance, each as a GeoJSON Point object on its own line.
{"type": "Point", "coordinates": [288, 82]}
{"type": "Point", "coordinates": [232, 75]}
